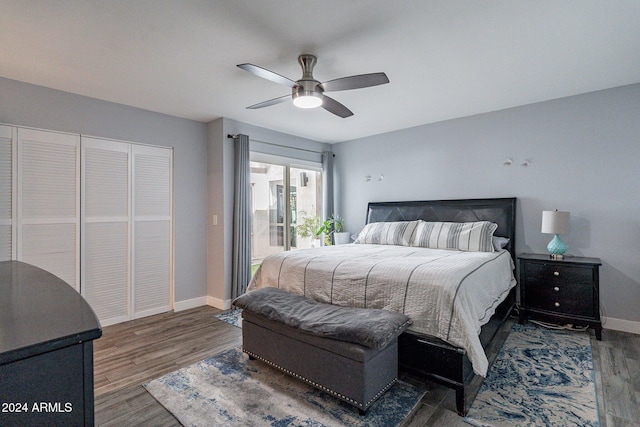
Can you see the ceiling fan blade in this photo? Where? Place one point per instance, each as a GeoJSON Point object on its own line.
{"type": "Point", "coordinates": [355, 82]}
{"type": "Point", "coordinates": [266, 74]}
{"type": "Point", "coordinates": [333, 106]}
{"type": "Point", "coordinates": [270, 102]}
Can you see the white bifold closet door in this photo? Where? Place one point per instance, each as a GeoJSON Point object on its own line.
{"type": "Point", "coordinates": [8, 157]}
{"type": "Point", "coordinates": [106, 227]}
{"type": "Point", "coordinates": [126, 229]}
{"type": "Point", "coordinates": [152, 230]}
{"type": "Point", "coordinates": [48, 202]}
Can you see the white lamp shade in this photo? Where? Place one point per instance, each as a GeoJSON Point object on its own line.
{"type": "Point", "coordinates": [555, 222]}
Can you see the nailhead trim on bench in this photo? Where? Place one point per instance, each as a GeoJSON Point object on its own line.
{"type": "Point", "coordinates": [320, 386]}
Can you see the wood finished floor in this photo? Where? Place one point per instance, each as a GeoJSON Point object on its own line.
{"type": "Point", "coordinates": [131, 353]}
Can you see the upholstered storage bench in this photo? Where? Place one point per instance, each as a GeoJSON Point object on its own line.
{"type": "Point", "coordinates": [351, 353]}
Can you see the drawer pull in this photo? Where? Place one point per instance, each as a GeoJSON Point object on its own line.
{"type": "Point", "coordinates": [556, 273]}
{"type": "Point", "coordinates": [556, 289]}
{"type": "Point", "coordinates": [557, 304]}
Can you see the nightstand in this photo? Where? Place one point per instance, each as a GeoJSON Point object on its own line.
{"type": "Point", "coordinates": [563, 291]}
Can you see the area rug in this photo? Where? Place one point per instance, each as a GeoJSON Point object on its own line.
{"type": "Point", "coordinates": [228, 389]}
{"type": "Point", "coordinates": [232, 317]}
{"type": "Point", "coordinates": [541, 377]}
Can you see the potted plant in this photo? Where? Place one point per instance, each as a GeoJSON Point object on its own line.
{"type": "Point", "coordinates": [310, 226]}
{"type": "Point", "coordinates": [326, 229]}
{"type": "Point", "coordinates": [340, 237]}
{"type": "Point", "coordinates": [333, 227]}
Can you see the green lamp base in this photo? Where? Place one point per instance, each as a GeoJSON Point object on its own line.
{"type": "Point", "coordinates": [556, 248]}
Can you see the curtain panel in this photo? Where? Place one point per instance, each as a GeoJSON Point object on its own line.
{"type": "Point", "coordinates": [327, 184]}
{"type": "Point", "coordinates": [241, 274]}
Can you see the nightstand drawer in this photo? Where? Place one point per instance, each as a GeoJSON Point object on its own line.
{"type": "Point", "coordinates": [559, 272]}
{"type": "Point", "coordinates": [573, 299]}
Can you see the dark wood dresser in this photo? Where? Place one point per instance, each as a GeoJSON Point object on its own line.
{"type": "Point", "coordinates": [563, 291]}
{"type": "Point", "coordinates": [46, 349]}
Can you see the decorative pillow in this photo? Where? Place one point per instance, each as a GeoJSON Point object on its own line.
{"type": "Point", "coordinates": [499, 242]}
{"type": "Point", "coordinates": [463, 236]}
{"type": "Point", "coordinates": [388, 233]}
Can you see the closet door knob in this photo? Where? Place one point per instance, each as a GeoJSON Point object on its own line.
{"type": "Point", "coordinates": [556, 273]}
{"type": "Point", "coordinates": [557, 304]}
{"type": "Point", "coordinates": [556, 289]}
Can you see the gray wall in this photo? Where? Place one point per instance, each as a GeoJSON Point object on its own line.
{"type": "Point", "coordinates": [584, 153]}
{"type": "Point", "coordinates": [35, 106]}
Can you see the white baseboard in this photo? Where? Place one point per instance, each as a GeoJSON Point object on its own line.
{"type": "Point", "coordinates": [219, 303]}
{"type": "Point", "coordinates": [190, 303]}
{"type": "Point", "coordinates": [200, 301]}
{"type": "Point", "coordinates": [621, 325]}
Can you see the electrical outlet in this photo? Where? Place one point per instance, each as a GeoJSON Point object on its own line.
{"type": "Point", "coordinates": [214, 219]}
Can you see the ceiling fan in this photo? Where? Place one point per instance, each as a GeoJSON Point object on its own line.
{"type": "Point", "coordinates": [309, 92]}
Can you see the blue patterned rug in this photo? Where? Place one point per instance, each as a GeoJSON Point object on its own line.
{"type": "Point", "coordinates": [540, 377]}
{"type": "Point", "coordinates": [232, 317]}
{"type": "Point", "coordinates": [228, 389]}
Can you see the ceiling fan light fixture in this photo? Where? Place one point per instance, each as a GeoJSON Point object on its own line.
{"type": "Point", "coordinates": [308, 92]}
{"type": "Point", "coordinates": [307, 98]}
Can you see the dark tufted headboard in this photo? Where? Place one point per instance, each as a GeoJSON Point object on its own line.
{"type": "Point", "coordinates": [501, 211]}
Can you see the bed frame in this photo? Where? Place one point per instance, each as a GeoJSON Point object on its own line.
{"type": "Point", "coordinates": [427, 356]}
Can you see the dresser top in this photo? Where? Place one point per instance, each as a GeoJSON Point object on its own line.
{"type": "Point", "coordinates": [39, 312]}
{"type": "Point", "coordinates": [568, 259]}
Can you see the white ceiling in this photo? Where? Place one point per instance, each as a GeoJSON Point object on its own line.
{"type": "Point", "coordinates": [444, 58]}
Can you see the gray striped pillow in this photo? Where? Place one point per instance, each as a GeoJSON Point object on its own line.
{"type": "Point", "coordinates": [388, 233]}
{"type": "Point", "coordinates": [463, 236]}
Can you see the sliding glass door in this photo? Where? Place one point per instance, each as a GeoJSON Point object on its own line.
{"type": "Point", "coordinates": [267, 209]}
{"type": "Point", "coordinates": [283, 196]}
{"type": "Point", "coordinates": [306, 206]}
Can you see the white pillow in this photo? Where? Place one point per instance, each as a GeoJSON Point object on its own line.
{"type": "Point", "coordinates": [388, 233]}
{"type": "Point", "coordinates": [500, 242]}
{"type": "Point", "coordinates": [463, 236]}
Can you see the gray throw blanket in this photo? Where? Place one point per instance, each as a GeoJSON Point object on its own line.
{"type": "Point", "coordinates": [373, 328]}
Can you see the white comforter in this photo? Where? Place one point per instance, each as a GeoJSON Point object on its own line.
{"type": "Point", "coordinates": [447, 294]}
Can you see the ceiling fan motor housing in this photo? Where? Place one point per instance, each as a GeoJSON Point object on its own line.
{"type": "Point", "coordinates": [307, 86]}
{"type": "Point", "coordinates": [307, 89]}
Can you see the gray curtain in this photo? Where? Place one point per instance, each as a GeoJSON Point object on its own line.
{"type": "Point", "coordinates": [327, 184]}
{"type": "Point", "coordinates": [241, 217]}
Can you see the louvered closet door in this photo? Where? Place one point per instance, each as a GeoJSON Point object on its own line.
{"type": "Point", "coordinates": [105, 272]}
{"type": "Point", "coordinates": [152, 230]}
{"type": "Point", "coordinates": [8, 158]}
{"type": "Point", "coordinates": [48, 224]}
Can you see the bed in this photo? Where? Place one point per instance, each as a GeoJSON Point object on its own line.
{"type": "Point", "coordinates": [455, 318]}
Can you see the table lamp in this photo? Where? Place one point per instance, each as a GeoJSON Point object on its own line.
{"type": "Point", "coordinates": [555, 222]}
